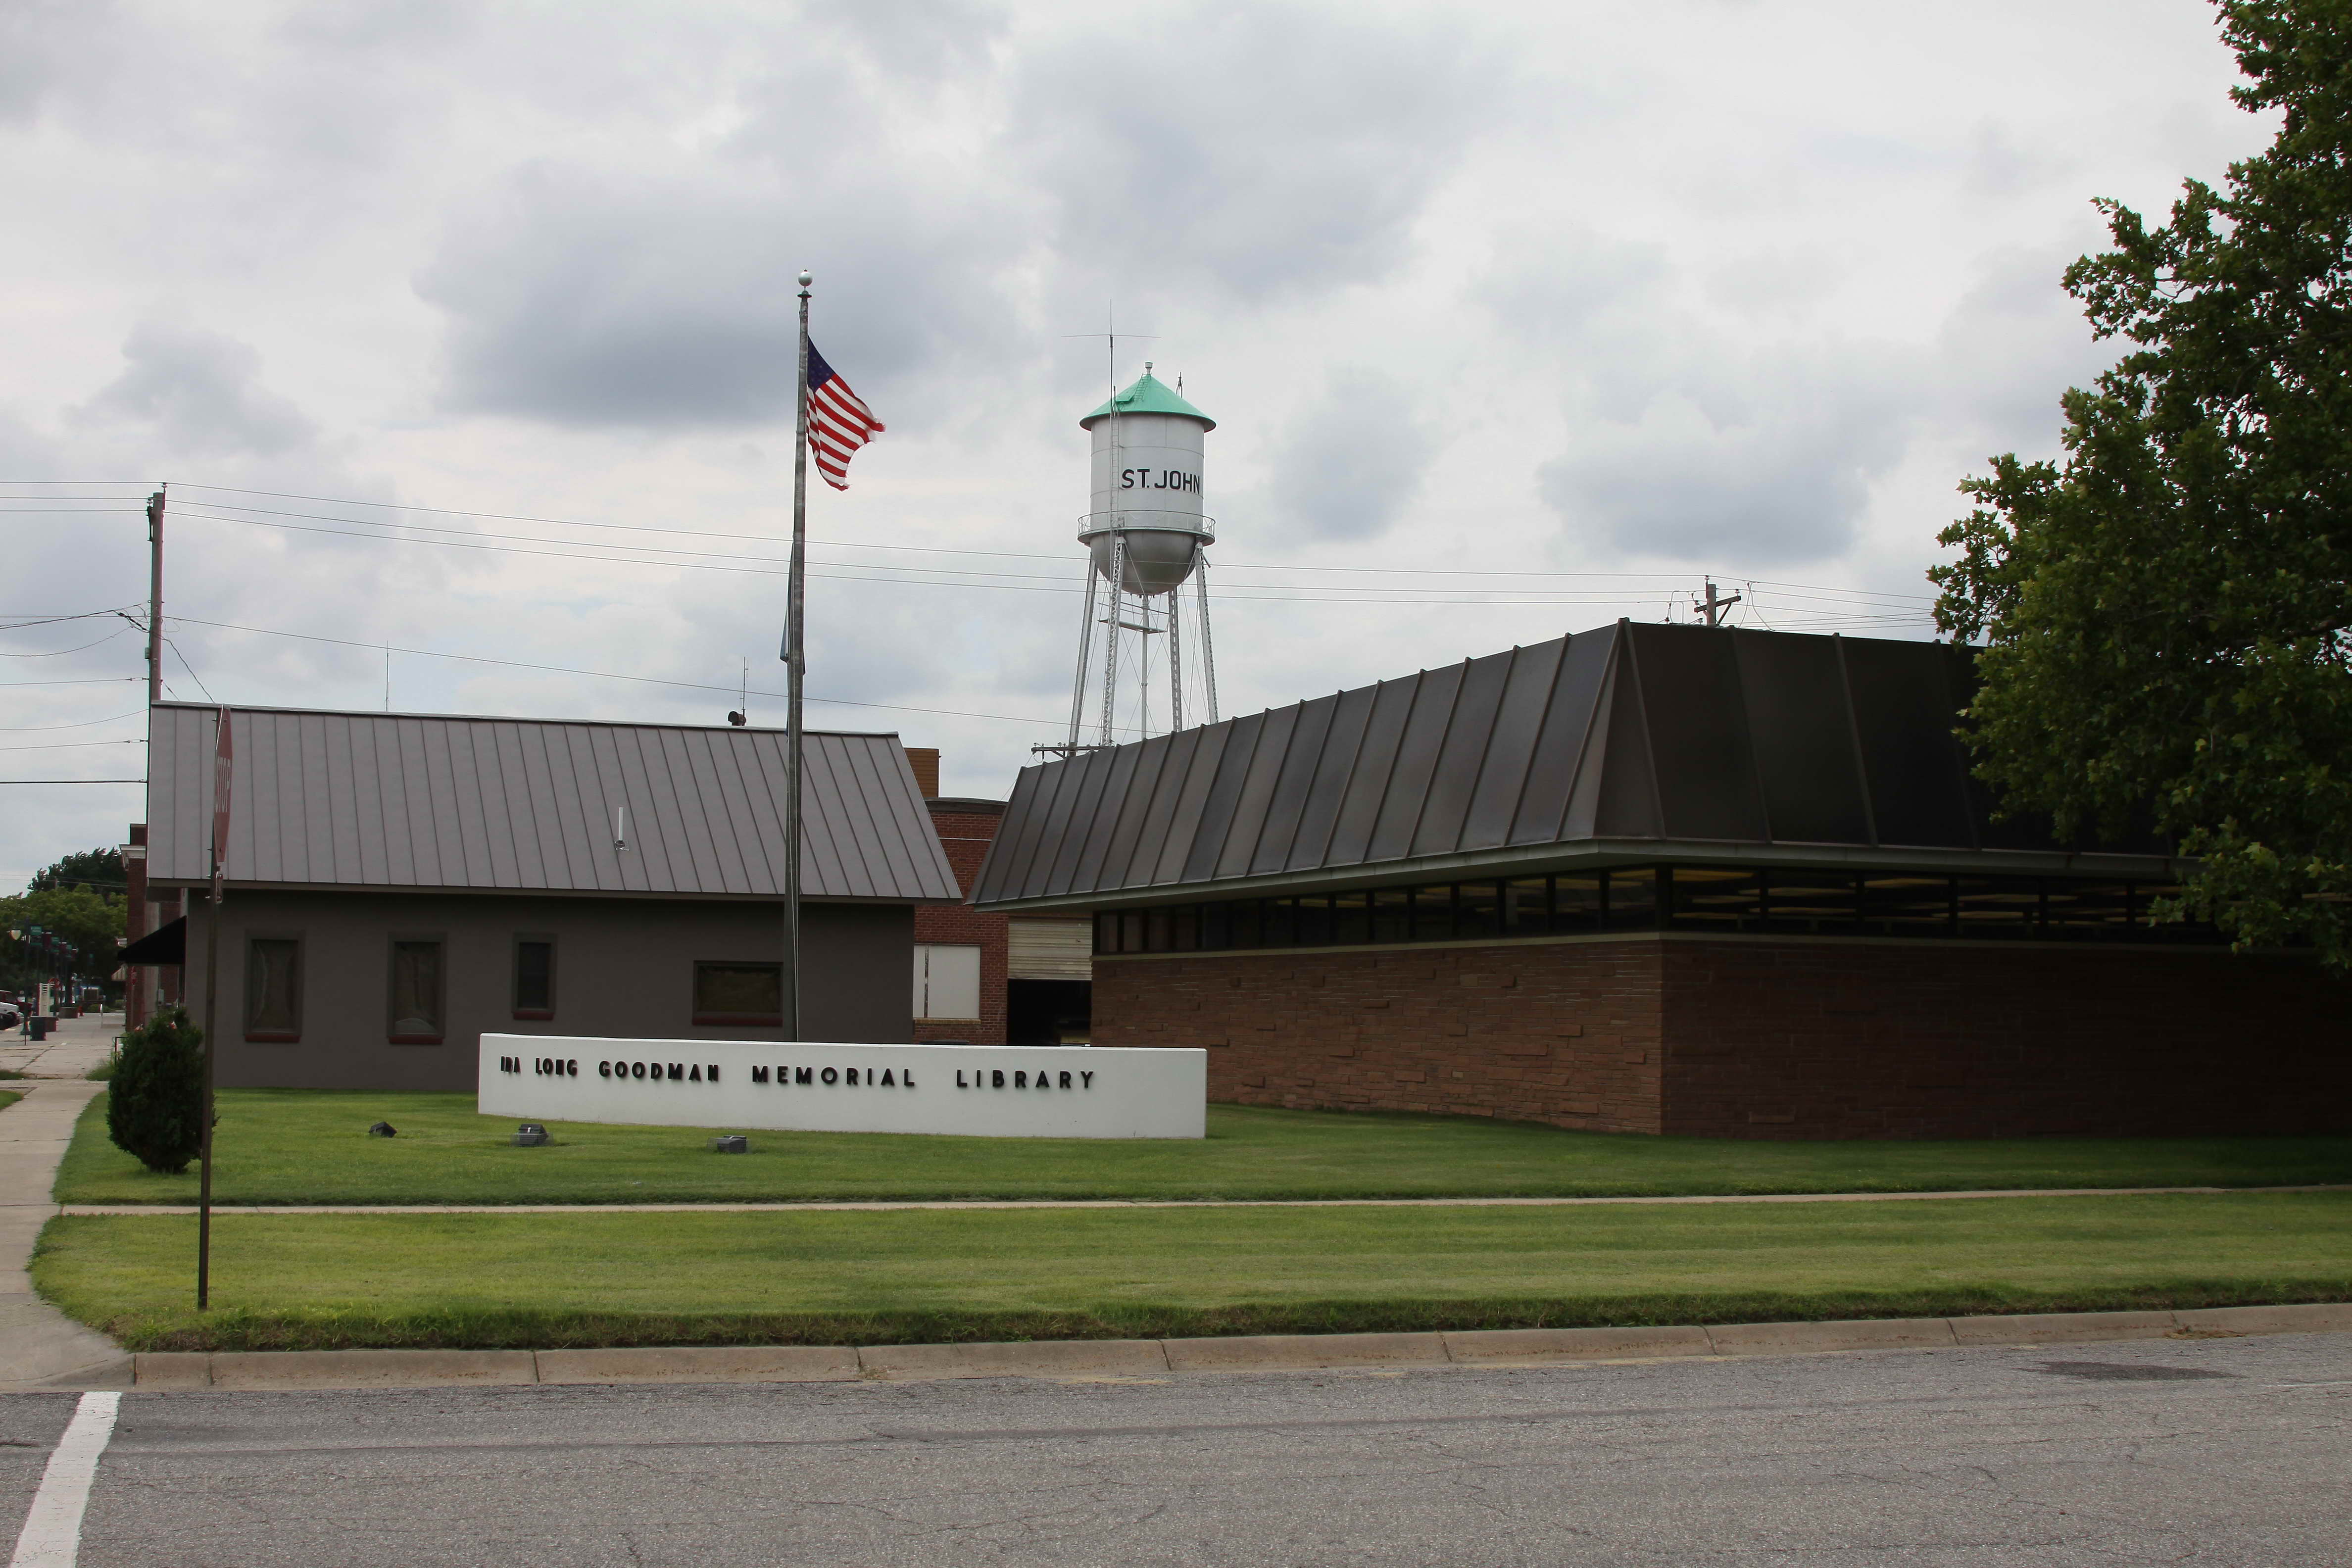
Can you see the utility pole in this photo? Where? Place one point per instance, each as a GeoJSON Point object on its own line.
{"type": "Point", "coordinates": [1713, 607]}
{"type": "Point", "coordinates": [155, 597]}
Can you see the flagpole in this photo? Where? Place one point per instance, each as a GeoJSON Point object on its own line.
{"type": "Point", "coordinates": [790, 1001]}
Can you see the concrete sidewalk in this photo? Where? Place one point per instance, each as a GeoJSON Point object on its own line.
{"type": "Point", "coordinates": [76, 1046]}
{"type": "Point", "coordinates": [38, 1343]}
{"type": "Point", "coordinates": [861, 1206]}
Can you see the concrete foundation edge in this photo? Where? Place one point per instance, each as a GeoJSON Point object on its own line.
{"type": "Point", "coordinates": [281, 1369]}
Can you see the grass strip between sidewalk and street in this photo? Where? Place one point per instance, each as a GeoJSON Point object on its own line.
{"type": "Point", "coordinates": [9, 1096]}
{"type": "Point", "coordinates": [310, 1146]}
{"type": "Point", "coordinates": [299, 1282]}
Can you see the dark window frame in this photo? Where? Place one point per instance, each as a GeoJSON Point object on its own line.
{"type": "Point", "coordinates": [514, 969]}
{"type": "Point", "coordinates": [392, 944]}
{"type": "Point", "coordinates": [292, 1037]}
{"type": "Point", "coordinates": [715, 1019]}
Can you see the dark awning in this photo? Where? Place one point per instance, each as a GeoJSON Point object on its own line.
{"type": "Point", "coordinates": [165, 945]}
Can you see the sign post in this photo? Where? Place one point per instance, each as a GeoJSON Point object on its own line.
{"type": "Point", "coordinates": [224, 758]}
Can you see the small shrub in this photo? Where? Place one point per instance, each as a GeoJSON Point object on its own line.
{"type": "Point", "coordinates": [155, 1104]}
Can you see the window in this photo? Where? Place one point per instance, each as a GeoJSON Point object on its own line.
{"type": "Point", "coordinates": [947, 982]}
{"type": "Point", "coordinates": [273, 988]}
{"type": "Point", "coordinates": [416, 992]}
{"type": "Point", "coordinates": [739, 994]}
{"type": "Point", "coordinates": [534, 977]}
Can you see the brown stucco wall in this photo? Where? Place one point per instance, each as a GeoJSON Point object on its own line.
{"type": "Point", "coordinates": [1951, 1040]}
{"type": "Point", "coordinates": [1762, 1039]}
{"type": "Point", "coordinates": [1563, 1032]}
{"type": "Point", "coordinates": [625, 968]}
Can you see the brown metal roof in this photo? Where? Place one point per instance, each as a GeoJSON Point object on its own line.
{"type": "Point", "coordinates": [424, 801]}
{"type": "Point", "coordinates": [1632, 741]}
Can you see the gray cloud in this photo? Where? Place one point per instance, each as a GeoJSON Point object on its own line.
{"type": "Point", "coordinates": [1351, 461]}
{"type": "Point", "coordinates": [1775, 469]}
{"type": "Point", "coordinates": [200, 395]}
{"type": "Point", "coordinates": [1256, 149]}
{"type": "Point", "coordinates": [2015, 342]}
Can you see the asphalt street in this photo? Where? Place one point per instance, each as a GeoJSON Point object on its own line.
{"type": "Point", "coordinates": [2216, 1451]}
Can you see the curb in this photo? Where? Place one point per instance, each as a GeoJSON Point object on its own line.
{"type": "Point", "coordinates": [257, 1370]}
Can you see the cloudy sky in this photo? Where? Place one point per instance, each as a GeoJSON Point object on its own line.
{"type": "Point", "coordinates": [1514, 318]}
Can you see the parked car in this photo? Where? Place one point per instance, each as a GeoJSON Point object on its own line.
{"type": "Point", "coordinates": [11, 1017]}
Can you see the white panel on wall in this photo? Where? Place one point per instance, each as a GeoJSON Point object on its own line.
{"type": "Point", "coordinates": [947, 981]}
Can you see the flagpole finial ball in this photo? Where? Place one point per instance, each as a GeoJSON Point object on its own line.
{"type": "Point", "coordinates": [806, 278]}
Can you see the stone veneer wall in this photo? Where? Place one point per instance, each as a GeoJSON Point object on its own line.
{"type": "Point", "coordinates": [1762, 1038]}
{"type": "Point", "coordinates": [1562, 1032]}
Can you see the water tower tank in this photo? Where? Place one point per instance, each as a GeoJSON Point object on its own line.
{"type": "Point", "coordinates": [1147, 486]}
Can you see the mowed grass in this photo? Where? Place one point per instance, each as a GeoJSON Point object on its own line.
{"type": "Point", "coordinates": [310, 1146]}
{"type": "Point", "coordinates": [817, 1277]}
{"type": "Point", "coordinates": [9, 1096]}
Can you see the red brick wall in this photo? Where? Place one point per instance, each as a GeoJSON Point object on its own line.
{"type": "Point", "coordinates": [965, 835]}
{"type": "Point", "coordinates": [1762, 1039]}
{"type": "Point", "coordinates": [1544, 1032]}
{"type": "Point", "coordinates": [1805, 1040]}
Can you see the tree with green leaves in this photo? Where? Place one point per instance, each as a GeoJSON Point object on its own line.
{"type": "Point", "coordinates": [2168, 611]}
{"type": "Point", "coordinates": [99, 869]}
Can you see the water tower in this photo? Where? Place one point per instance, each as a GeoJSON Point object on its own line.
{"type": "Point", "coordinates": [1146, 534]}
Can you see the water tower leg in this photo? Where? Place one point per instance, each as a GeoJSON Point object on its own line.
{"type": "Point", "coordinates": [1175, 659]}
{"type": "Point", "coordinates": [1110, 639]}
{"type": "Point", "coordinates": [1208, 643]}
{"type": "Point", "coordinates": [1086, 649]}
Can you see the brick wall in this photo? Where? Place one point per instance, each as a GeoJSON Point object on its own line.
{"type": "Point", "coordinates": [1762, 1039]}
{"type": "Point", "coordinates": [1547, 1032]}
{"type": "Point", "coordinates": [1802, 1040]}
{"type": "Point", "coordinates": [965, 835]}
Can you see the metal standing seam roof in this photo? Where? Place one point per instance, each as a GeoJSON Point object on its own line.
{"type": "Point", "coordinates": [386, 800]}
{"type": "Point", "coordinates": [1632, 737]}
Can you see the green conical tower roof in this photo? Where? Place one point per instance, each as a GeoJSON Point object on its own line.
{"type": "Point", "coordinates": [1147, 396]}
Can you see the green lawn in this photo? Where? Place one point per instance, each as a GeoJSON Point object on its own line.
{"type": "Point", "coordinates": [310, 1146]}
{"type": "Point", "coordinates": [298, 1281]}
{"type": "Point", "coordinates": [9, 1096]}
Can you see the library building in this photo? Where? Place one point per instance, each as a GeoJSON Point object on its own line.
{"type": "Point", "coordinates": [1656, 878]}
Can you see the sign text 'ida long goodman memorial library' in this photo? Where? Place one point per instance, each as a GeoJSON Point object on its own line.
{"type": "Point", "coordinates": [1001, 1091]}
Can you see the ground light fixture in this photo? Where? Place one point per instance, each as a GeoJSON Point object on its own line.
{"type": "Point", "coordinates": [382, 1129]}
{"type": "Point", "coordinates": [731, 1143]}
{"type": "Point", "coordinates": [530, 1135]}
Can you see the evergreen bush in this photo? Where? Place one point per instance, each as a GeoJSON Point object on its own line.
{"type": "Point", "coordinates": [154, 1106]}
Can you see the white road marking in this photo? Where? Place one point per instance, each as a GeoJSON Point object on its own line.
{"type": "Point", "coordinates": [52, 1535]}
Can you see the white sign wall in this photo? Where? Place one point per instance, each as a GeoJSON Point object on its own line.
{"type": "Point", "coordinates": [1000, 1091]}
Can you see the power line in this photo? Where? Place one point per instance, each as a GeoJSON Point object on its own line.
{"type": "Point", "coordinates": [72, 781]}
{"type": "Point", "coordinates": [937, 549]}
{"type": "Point", "coordinates": [83, 724]}
{"type": "Point", "coordinates": [93, 680]}
{"type": "Point", "coordinates": [598, 674]}
{"type": "Point", "coordinates": [61, 653]}
{"type": "Point", "coordinates": [70, 745]}
{"type": "Point", "coordinates": [1248, 593]}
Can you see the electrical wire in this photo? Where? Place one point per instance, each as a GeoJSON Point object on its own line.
{"type": "Point", "coordinates": [605, 674]}
{"type": "Point", "coordinates": [70, 745]}
{"type": "Point", "coordinates": [937, 549]}
{"type": "Point", "coordinates": [92, 681]}
{"type": "Point", "coordinates": [189, 667]}
{"type": "Point", "coordinates": [82, 724]}
{"type": "Point", "coordinates": [61, 653]}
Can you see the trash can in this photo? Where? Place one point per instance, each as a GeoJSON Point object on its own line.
{"type": "Point", "coordinates": [42, 1025]}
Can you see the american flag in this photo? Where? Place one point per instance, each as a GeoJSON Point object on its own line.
{"type": "Point", "coordinates": [839, 421]}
